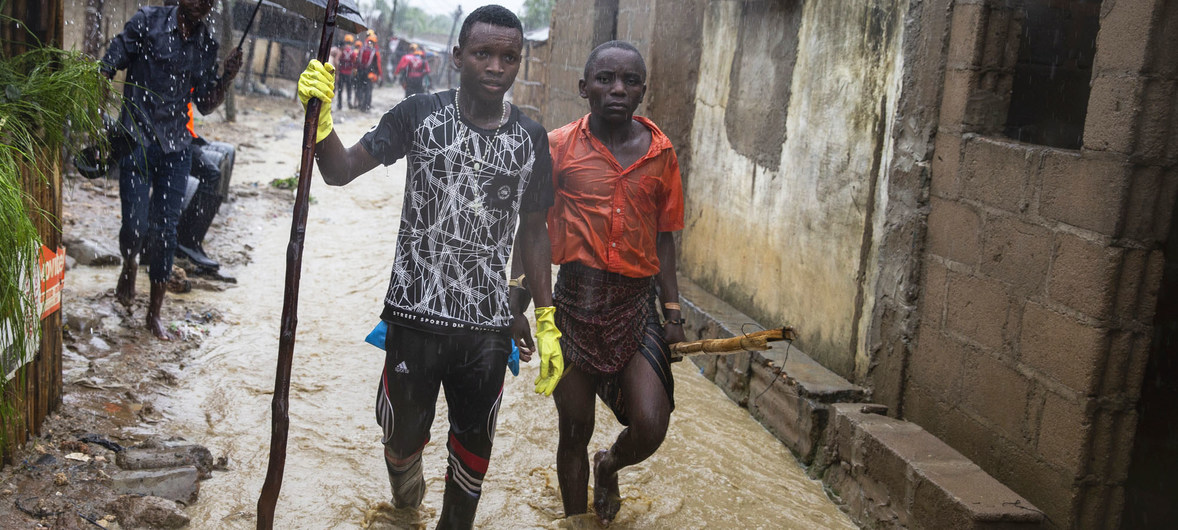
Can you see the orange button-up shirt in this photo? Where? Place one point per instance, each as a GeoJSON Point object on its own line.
{"type": "Point", "coordinates": [606, 216]}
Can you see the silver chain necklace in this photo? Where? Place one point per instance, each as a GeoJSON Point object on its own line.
{"type": "Point", "coordinates": [466, 137]}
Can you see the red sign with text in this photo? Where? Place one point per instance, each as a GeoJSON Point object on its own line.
{"type": "Point", "coordinates": [52, 273]}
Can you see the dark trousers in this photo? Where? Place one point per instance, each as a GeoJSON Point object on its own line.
{"type": "Point", "coordinates": [470, 367]}
{"type": "Point", "coordinates": [199, 214]}
{"type": "Point", "coordinates": [414, 85]}
{"type": "Point", "coordinates": [363, 92]}
{"type": "Point", "coordinates": [151, 189]}
{"type": "Point", "coordinates": [344, 91]}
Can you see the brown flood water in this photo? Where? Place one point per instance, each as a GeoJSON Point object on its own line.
{"type": "Point", "coordinates": [718, 468]}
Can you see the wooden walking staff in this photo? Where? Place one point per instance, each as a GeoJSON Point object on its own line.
{"type": "Point", "coordinates": [280, 420]}
{"type": "Point", "coordinates": [758, 341]}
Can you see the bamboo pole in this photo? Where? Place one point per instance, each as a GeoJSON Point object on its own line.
{"type": "Point", "coordinates": [280, 419]}
{"type": "Point", "coordinates": [758, 341]}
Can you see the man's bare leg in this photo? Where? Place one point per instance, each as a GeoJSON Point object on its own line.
{"type": "Point", "coordinates": [649, 411]}
{"type": "Point", "coordinates": [125, 289]}
{"type": "Point", "coordinates": [155, 304]}
{"type": "Point", "coordinates": [575, 400]}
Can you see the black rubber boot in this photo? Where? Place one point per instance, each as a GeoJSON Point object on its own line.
{"type": "Point", "coordinates": [194, 224]}
{"type": "Point", "coordinates": [407, 482]}
{"type": "Point", "coordinates": [458, 508]}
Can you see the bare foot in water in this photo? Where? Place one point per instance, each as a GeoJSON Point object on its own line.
{"type": "Point", "coordinates": [125, 289]}
{"type": "Point", "coordinates": [154, 305]}
{"type": "Point", "coordinates": [159, 330]}
{"type": "Point", "coordinates": [607, 500]}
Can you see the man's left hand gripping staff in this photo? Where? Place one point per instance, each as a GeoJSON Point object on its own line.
{"type": "Point", "coordinates": [318, 81]}
{"type": "Point", "coordinates": [551, 358]}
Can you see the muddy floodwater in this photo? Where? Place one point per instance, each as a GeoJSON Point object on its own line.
{"type": "Point", "coordinates": [718, 468]}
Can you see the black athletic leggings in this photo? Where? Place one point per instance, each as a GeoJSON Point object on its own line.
{"type": "Point", "coordinates": [471, 366]}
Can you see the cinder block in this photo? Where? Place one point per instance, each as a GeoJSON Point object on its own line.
{"type": "Point", "coordinates": [1155, 141]}
{"type": "Point", "coordinates": [1122, 45]}
{"type": "Point", "coordinates": [1112, 380]}
{"type": "Point", "coordinates": [1135, 370]}
{"type": "Point", "coordinates": [955, 98]}
{"type": "Point", "coordinates": [938, 364]}
{"type": "Point", "coordinates": [1062, 348]}
{"type": "Point", "coordinates": [1105, 425]}
{"type": "Point", "coordinates": [797, 421]}
{"type": "Point", "coordinates": [1113, 106]}
{"type": "Point", "coordinates": [946, 165]}
{"type": "Point", "coordinates": [1019, 468]}
{"type": "Point", "coordinates": [1122, 458]}
{"type": "Point", "coordinates": [953, 230]}
{"type": "Point", "coordinates": [1132, 274]}
{"type": "Point", "coordinates": [1092, 507]}
{"type": "Point", "coordinates": [965, 40]}
{"type": "Point", "coordinates": [999, 172]}
{"type": "Point", "coordinates": [1084, 191]}
{"type": "Point", "coordinates": [977, 308]}
{"type": "Point", "coordinates": [994, 390]}
{"type": "Point", "coordinates": [1065, 429]}
{"type": "Point", "coordinates": [934, 290]}
{"type": "Point", "coordinates": [732, 376]}
{"type": "Point", "coordinates": [1083, 275]}
{"type": "Point", "coordinates": [923, 476]}
{"type": "Point", "coordinates": [1137, 288]}
{"type": "Point", "coordinates": [1145, 190]}
{"type": "Point", "coordinates": [1151, 203]}
{"type": "Point", "coordinates": [960, 495]}
{"type": "Point", "coordinates": [1016, 252]}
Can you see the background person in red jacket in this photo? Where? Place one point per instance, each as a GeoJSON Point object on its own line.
{"type": "Point", "coordinates": [345, 82]}
{"type": "Point", "coordinates": [368, 71]}
{"type": "Point", "coordinates": [413, 70]}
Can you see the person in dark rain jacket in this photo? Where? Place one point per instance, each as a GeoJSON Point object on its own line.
{"type": "Point", "coordinates": [171, 59]}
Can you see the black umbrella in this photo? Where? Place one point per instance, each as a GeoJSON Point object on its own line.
{"type": "Point", "coordinates": [280, 419]}
{"type": "Point", "coordinates": [347, 14]}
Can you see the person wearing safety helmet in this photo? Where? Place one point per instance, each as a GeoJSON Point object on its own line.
{"type": "Point", "coordinates": [369, 70]}
{"type": "Point", "coordinates": [345, 79]}
{"type": "Point", "coordinates": [413, 70]}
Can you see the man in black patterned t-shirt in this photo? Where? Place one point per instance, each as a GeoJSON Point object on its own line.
{"type": "Point", "coordinates": [475, 163]}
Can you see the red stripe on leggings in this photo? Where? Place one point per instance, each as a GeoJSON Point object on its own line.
{"type": "Point", "coordinates": [475, 462]}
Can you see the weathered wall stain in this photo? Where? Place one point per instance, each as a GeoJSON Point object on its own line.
{"type": "Point", "coordinates": [787, 244]}
{"type": "Point", "coordinates": [762, 71]}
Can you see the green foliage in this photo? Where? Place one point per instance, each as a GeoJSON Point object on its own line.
{"type": "Point", "coordinates": [537, 14]}
{"type": "Point", "coordinates": [49, 100]}
{"type": "Point", "coordinates": [414, 22]}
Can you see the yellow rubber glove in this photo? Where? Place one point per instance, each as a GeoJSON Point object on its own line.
{"type": "Point", "coordinates": [548, 342]}
{"type": "Point", "coordinates": [318, 81]}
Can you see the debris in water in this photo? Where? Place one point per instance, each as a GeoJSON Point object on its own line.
{"type": "Point", "coordinates": [187, 331]}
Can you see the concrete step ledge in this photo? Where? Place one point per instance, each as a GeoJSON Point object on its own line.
{"type": "Point", "coordinates": [890, 470]}
{"type": "Point", "coordinates": [884, 471]}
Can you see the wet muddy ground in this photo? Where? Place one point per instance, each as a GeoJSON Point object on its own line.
{"type": "Point", "coordinates": [717, 467]}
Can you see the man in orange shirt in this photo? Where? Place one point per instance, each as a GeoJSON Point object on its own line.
{"type": "Point", "coordinates": [618, 199]}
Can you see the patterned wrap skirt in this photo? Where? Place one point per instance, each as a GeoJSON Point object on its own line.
{"type": "Point", "coordinates": [605, 319]}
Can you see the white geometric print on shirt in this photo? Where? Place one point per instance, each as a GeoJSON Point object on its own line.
{"type": "Point", "coordinates": [457, 223]}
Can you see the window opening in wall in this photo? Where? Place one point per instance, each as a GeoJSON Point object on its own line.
{"type": "Point", "coordinates": [1049, 96]}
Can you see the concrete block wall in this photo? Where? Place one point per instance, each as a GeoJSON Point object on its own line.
{"type": "Point", "coordinates": [884, 472]}
{"type": "Point", "coordinates": [577, 27]}
{"type": "Point", "coordinates": [531, 85]}
{"type": "Point", "coordinates": [1042, 267]}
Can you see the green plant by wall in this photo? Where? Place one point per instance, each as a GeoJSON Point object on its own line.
{"type": "Point", "coordinates": [49, 102]}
